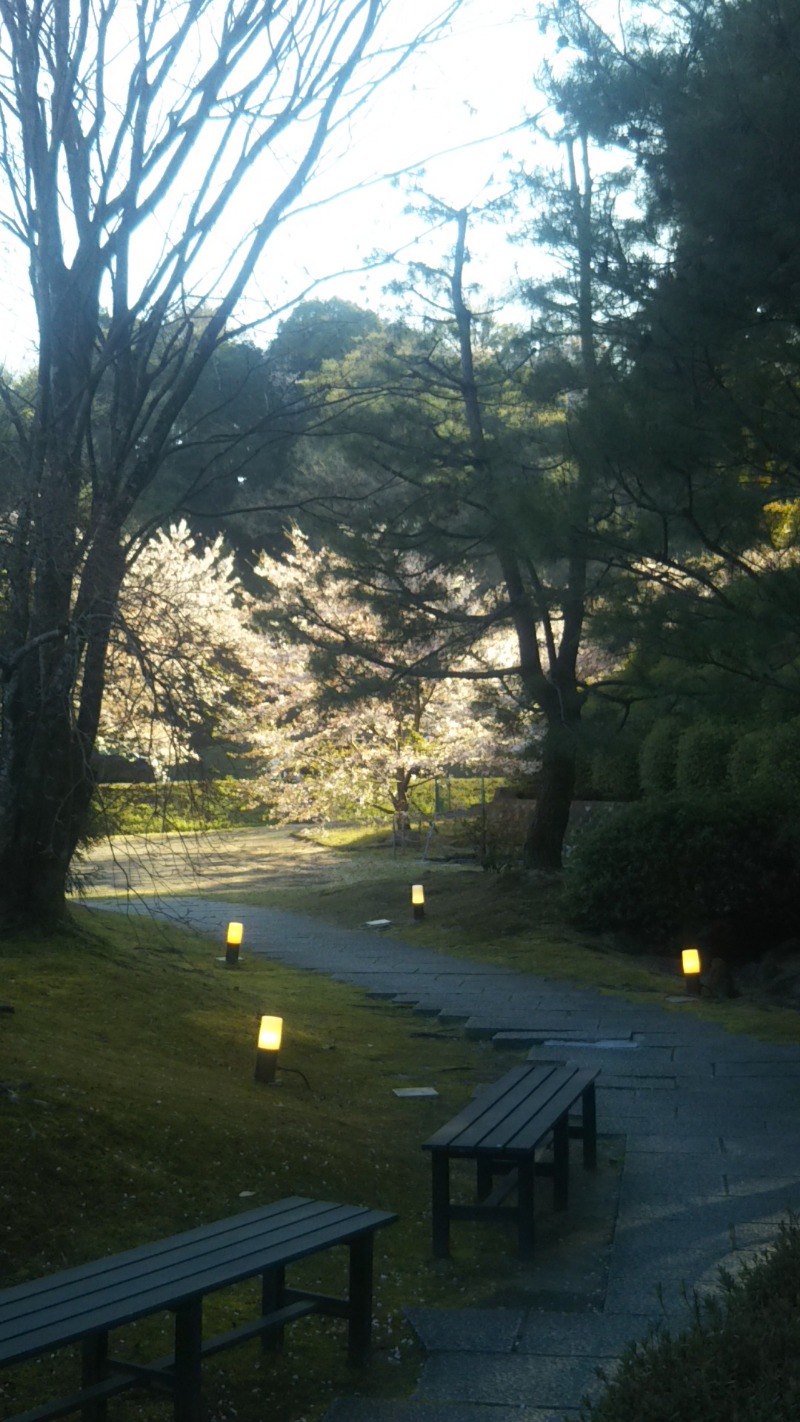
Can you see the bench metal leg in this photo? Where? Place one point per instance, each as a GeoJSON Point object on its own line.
{"type": "Point", "coordinates": [188, 1357]}
{"type": "Point", "coordinates": [440, 1204]}
{"type": "Point", "coordinates": [272, 1291]}
{"type": "Point", "coordinates": [94, 1355]}
{"type": "Point", "coordinates": [561, 1163]}
{"type": "Point", "coordinates": [589, 1128]}
{"type": "Point", "coordinates": [359, 1336]}
{"type": "Point", "coordinates": [525, 1169]}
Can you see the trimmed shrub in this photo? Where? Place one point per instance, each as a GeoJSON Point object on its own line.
{"type": "Point", "coordinates": [615, 770]}
{"type": "Point", "coordinates": [659, 868]}
{"type": "Point", "coordinates": [738, 1358]}
{"type": "Point", "coordinates": [778, 769]}
{"type": "Point", "coordinates": [701, 761]}
{"type": "Point", "coordinates": [744, 761]}
{"type": "Point", "coordinates": [657, 757]}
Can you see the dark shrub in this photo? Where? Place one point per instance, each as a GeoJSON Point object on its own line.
{"type": "Point", "coordinates": [661, 868]}
{"type": "Point", "coordinates": [701, 761]}
{"type": "Point", "coordinates": [778, 768]}
{"type": "Point", "coordinates": [615, 770]}
{"type": "Point", "coordinates": [738, 1359]}
{"type": "Point", "coordinates": [658, 756]}
{"type": "Point", "coordinates": [744, 762]}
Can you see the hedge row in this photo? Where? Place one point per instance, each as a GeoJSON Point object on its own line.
{"type": "Point", "coordinates": [656, 869]}
{"type": "Point", "coordinates": [707, 755]}
{"type": "Point", "coordinates": [738, 1359]}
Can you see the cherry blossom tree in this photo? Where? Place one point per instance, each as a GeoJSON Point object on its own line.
{"type": "Point", "coordinates": [363, 708]}
{"type": "Point", "coordinates": [185, 666]}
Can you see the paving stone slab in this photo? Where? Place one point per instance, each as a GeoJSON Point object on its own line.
{"type": "Point", "coordinates": [368, 1409]}
{"type": "Point", "coordinates": [757, 1234]}
{"type": "Point", "coordinates": [718, 1121]}
{"type": "Point", "coordinates": [657, 1207]}
{"type": "Point", "coordinates": [746, 1205]}
{"type": "Point", "coordinates": [594, 1335]}
{"type": "Point", "coordinates": [637, 1082]}
{"type": "Point", "coordinates": [514, 1381]}
{"type": "Point", "coordinates": [452, 1330]}
{"type": "Point", "coordinates": [670, 1294]}
{"type": "Point", "coordinates": [663, 1106]}
{"type": "Point", "coordinates": [674, 1143]}
{"type": "Point", "coordinates": [674, 1248]}
{"type": "Point", "coordinates": [751, 1144]}
{"type": "Point", "coordinates": [645, 1061]}
{"type": "Point", "coordinates": [773, 1094]}
{"type": "Point", "coordinates": [667, 1036]}
{"type": "Point", "coordinates": [488, 1024]}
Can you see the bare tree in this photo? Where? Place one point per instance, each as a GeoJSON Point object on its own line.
{"type": "Point", "coordinates": [130, 133]}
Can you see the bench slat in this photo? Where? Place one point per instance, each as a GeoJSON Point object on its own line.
{"type": "Point", "coordinates": [515, 1087]}
{"type": "Point", "coordinates": [53, 1312]}
{"type": "Point", "coordinates": [500, 1118]}
{"type": "Point", "coordinates": [520, 1132]}
{"type": "Point", "coordinates": [288, 1209]}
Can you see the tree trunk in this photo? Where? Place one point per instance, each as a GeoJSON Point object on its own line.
{"type": "Point", "coordinates": [544, 840]}
{"type": "Point", "coordinates": [51, 709]}
{"type": "Point", "coordinates": [402, 809]}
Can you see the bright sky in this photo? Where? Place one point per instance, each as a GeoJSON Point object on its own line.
{"type": "Point", "coordinates": [458, 101]}
{"type": "Point", "coordinates": [453, 111]}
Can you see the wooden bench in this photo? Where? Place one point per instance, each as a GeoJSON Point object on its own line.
{"type": "Point", "coordinates": [83, 1305]}
{"type": "Point", "coordinates": [501, 1130]}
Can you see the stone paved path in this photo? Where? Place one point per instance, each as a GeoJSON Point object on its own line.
{"type": "Point", "coordinates": [706, 1126]}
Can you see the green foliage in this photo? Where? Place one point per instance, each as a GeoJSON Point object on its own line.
{"type": "Point", "coordinates": [658, 756]}
{"type": "Point", "coordinates": [615, 770]}
{"type": "Point", "coordinates": [225, 804]}
{"type": "Point", "coordinates": [183, 806]}
{"type": "Point", "coordinates": [701, 761]}
{"type": "Point", "coordinates": [737, 1359]}
{"type": "Point", "coordinates": [777, 759]}
{"type": "Point", "coordinates": [744, 759]}
{"type": "Point", "coordinates": [661, 868]}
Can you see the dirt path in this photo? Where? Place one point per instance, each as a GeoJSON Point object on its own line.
{"type": "Point", "coordinates": [209, 863]}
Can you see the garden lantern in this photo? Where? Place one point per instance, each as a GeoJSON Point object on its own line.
{"type": "Point", "coordinates": [270, 1032]}
{"type": "Point", "coordinates": [690, 963]}
{"type": "Point", "coordinates": [233, 942]}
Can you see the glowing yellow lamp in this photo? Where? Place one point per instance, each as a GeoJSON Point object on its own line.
{"type": "Point", "coordinates": [418, 900]}
{"type": "Point", "coordinates": [270, 1032]}
{"type": "Point", "coordinates": [690, 959]}
{"type": "Point", "coordinates": [233, 940]}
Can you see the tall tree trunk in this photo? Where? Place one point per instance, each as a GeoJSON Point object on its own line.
{"type": "Point", "coordinates": [51, 709]}
{"type": "Point", "coordinates": [544, 840]}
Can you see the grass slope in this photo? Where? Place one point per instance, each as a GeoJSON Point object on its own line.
{"type": "Point", "coordinates": [128, 1110]}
